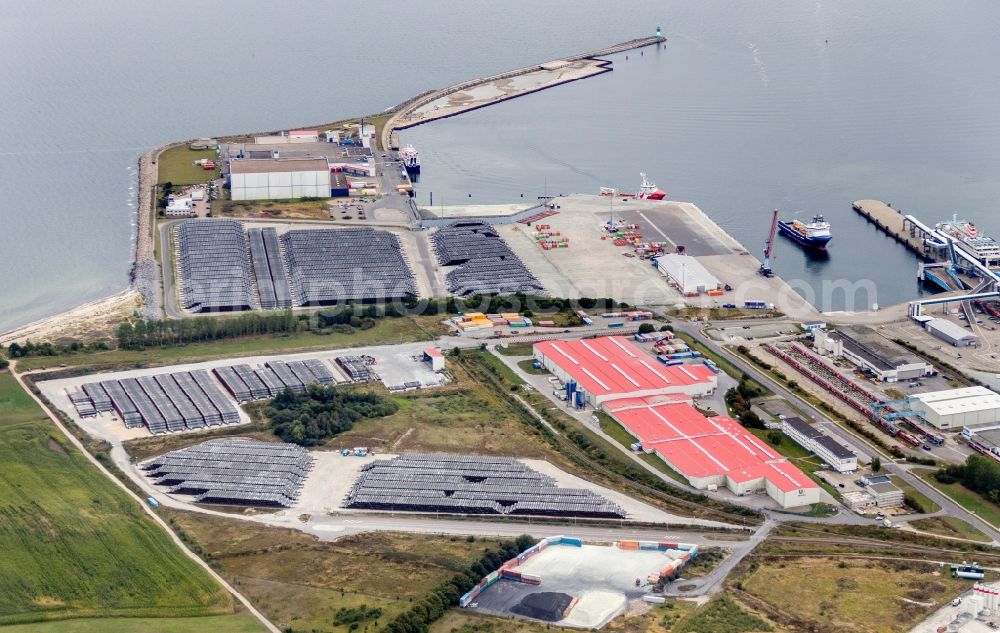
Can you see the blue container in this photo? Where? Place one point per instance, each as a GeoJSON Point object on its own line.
{"type": "Point", "coordinates": [581, 399]}
{"type": "Point", "coordinates": [570, 388]}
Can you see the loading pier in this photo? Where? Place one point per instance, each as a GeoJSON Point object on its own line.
{"type": "Point", "coordinates": [487, 91]}
{"type": "Point", "coordinates": [911, 234]}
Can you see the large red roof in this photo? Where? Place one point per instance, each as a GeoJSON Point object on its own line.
{"type": "Point", "coordinates": [614, 365]}
{"type": "Point", "coordinates": [702, 447]}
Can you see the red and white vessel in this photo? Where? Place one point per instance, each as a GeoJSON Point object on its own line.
{"type": "Point", "coordinates": [647, 191]}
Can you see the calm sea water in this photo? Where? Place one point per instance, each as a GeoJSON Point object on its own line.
{"type": "Point", "coordinates": [746, 108]}
{"type": "Point", "coordinates": [751, 106]}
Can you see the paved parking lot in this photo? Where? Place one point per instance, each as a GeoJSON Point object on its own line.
{"type": "Point", "coordinates": [740, 333]}
{"type": "Point", "coordinates": [395, 365]}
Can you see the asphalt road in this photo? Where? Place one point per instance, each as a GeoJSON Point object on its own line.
{"type": "Point", "coordinates": [948, 506]}
{"type": "Point", "coordinates": [167, 272]}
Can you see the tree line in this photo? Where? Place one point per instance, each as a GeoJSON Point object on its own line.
{"type": "Point", "coordinates": [29, 348]}
{"type": "Point", "coordinates": [312, 418]}
{"type": "Point", "coordinates": [739, 398]}
{"type": "Point", "coordinates": [979, 473]}
{"type": "Point", "coordinates": [431, 607]}
{"type": "Point", "coordinates": [164, 332]}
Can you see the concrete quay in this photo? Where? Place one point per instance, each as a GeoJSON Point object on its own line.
{"type": "Point", "coordinates": [892, 222]}
{"type": "Point", "coordinates": [486, 91]}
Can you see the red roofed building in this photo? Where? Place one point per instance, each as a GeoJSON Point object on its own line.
{"type": "Point", "coordinates": [435, 357]}
{"type": "Point", "coordinates": [612, 367]}
{"type": "Point", "coordinates": [712, 451]}
{"type": "Point", "coordinates": [303, 136]}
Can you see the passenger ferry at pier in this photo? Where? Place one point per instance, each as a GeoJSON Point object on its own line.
{"type": "Point", "coordinates": [815, 234]}
{"type": "Point", "coordinates": [410, 159]}
{"type": "Point", "coordinates": [983, 247]}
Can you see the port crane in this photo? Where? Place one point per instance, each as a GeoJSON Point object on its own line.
{"type": "Point", "coordinates": [765, 268]}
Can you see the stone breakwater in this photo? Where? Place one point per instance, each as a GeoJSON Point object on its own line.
{"type": "Point", "coordinates": [145, 275]}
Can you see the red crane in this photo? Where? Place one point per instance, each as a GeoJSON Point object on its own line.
{"type": "Point", "coordinates": [765, 268]}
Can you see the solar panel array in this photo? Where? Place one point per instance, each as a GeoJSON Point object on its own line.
{"type": "Point", "coordinates": [234, 472]}
{"type": "Point", "coordinates": [213, 271]}
{"type": "Point", "coordinates": [164, 403]}
{"type": "Point", "coordinates": [486, 265]}
{"type": "Point", "coordinates": [470, 484]}
{"type": "Point", "coordinates": [337, 265]}
{"type": "Point", "coordinates": [248, 383]}
{"type": "Point", "coordinates": [269, 269]}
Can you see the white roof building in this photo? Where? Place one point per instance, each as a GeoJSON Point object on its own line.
{"type": "Point", "coordinates": [279, 179]}
{"type": "Point", "coordinates": [951, 332]}
{"type": "Point", "coordinates": [954, 408]}
{"type": "Point", "coordinates": [686, 273]}
{"type": "Point", "coordinates": [178, 207]}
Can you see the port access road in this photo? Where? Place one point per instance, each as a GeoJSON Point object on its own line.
{"type": "Point", "coordinates": [948, 506]}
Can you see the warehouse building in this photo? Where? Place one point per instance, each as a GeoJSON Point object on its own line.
{"type": "Point", "coordinates": [970, 407]}
{"type": "Point", "coordinates": [686, 274]}
{"type": "Point", "coordinates": [886, 495]}
{"type": "Point", "coordinates": [712, 452]}
{"type": "Point", "coordinates": [612, 367]}
{"type": "Point", "coordinates": [951, 332]}
{"type": "Point", "coordinates": [294, 136]}
{"type": "Point", "coordinates": [279, 179]}
{"type": "Point", "coordinates": [872, 353]}
{"type": "Point", "coordinates": [823, 446]}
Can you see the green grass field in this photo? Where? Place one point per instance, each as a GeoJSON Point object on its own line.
{"type": "Point", "coordinates": [950, 526]}
{"type": "Point", "coordinates": [923, 504]}
{"type": "Point", "coordinates": [851, 595]}
{"type": "Point", "coordinates": [722, 615]}
{"type": "Point", "coordinates": [516, 350]}
{"type": "Point", "coordinates": [388, 331]}
{"type": "Point", "coordinates": [964, 497]}
{"type": "Point", "coordinates": [528, 367]}
{"type": "Point", "coordinates": [236, 623]}
{"type": "Point", "coordinates": [176, 166]}
{"type": "Point", "coordinates": [299, 582]}
{"type": "Point", "coordinates": [462, 417]}
{"type": "Point", "coordinates": [72, 544]}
